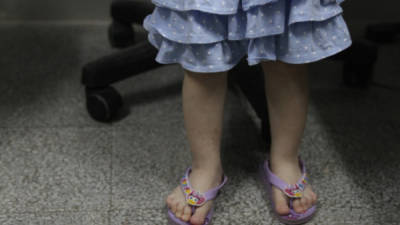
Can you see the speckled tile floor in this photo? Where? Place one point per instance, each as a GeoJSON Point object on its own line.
{"type": "Point", "coordinates": [58, 166]}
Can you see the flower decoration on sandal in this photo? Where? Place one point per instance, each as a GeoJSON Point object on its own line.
{"type": "Point", "coordinates": [192, 197]}
{"type": "Point", "coordinates": [296, 190]}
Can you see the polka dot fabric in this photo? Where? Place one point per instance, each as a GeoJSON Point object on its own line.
{"type": "Point", "coordinates": [213, 36]}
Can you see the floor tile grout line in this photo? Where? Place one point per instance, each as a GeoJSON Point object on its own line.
{"type": "Point", "coordinates": [118, 126]}
{"type": "Point", "coordinates": [87, 211]}
{"type": "Point", "coordinates": [111, 174]}
{"type": "Point", "coordinates": [108, 126]}
{"type": "Point", "coordinates": [53, 211]}
{"type": "Point", "coordinates": [80, 211]}
{"type": "Point", "coordinates": [57, 126]}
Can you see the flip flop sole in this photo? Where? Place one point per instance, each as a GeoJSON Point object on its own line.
{"type": "Point", "coordinates": [305, 220]}
{"type": "Point", "coordinates": [197, 198]}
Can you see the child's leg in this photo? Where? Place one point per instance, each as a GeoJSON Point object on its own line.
{"type": "Point", "coordinates": [286, 87]}
{"type": "Point", "coordinates": [203, 96]}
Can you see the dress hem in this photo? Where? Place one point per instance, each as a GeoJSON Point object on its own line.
{"type": "Point", "coordinates": [294, 59]}
{"type": "Point", "coordinates": [252, 61]}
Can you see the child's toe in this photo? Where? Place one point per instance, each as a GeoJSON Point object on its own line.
{"type": "Point", "coordinates": [314, 198]}
{"type": "Point", "coordinates": [281, 203]}
{"type": "Point", "coordinates": [179, 209]}
{"type": "Point", "coordinates": [282, 209]}
{"type": "Point", "coordinates": [200, 214]}
{"type": "Point", "coordinates": [297, 206]}
{"type": "Point", "coordinates": [173, 206]}
{"type": "Point", "coordinates": [186, 213]}
{"type": "Point", "coordinates": [305, 202]}
{"type": "Point", "coordinates": [170, 201]}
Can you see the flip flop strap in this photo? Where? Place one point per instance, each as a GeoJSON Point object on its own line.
{"type": "Point", "coordinates": [292, 191]}
{"type": "Point", "coordinates": [196, 198]}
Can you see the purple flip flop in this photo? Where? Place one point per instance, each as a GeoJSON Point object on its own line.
{"type": "Point", "coordinates": [292, 191]}
{"type": "Point", "coordinates": [195, 199]}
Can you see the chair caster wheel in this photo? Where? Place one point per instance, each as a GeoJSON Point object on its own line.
{"type": "Point", "coordinates": [103, 103]}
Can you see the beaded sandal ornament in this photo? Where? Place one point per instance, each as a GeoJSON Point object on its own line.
{"type": "Point", "coordinates": [292, 191]}
{"type": "Point", "coordinates": [195, 199]}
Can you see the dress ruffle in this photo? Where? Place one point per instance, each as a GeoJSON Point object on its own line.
{"type": "Point", "coordinates": [212, 36]}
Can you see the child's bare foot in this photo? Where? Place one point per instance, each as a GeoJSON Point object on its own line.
{"type": "Point", "coordinates": [201, 180]}
{"type": "Point", "coordinates": [290, 173]}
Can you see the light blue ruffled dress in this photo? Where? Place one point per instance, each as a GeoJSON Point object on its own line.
{"type": "Point", "coordinates": [214, 35]}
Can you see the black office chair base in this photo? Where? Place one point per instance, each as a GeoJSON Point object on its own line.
{"type": "Point", "coordinates": [358, 63]}
{"type": "Point", "coordinates": [383, 32]}
{"type": "Point", "coordinates": [98, 75]}
{"type": "Point", "coordinates": [121, 35]}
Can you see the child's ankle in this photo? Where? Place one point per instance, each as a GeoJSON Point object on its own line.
{"type": "Point", "coordinates": [292, 159]}
{"type": "Point", "coordinates": [212, 171]}
{"type": "Point", "coordinates": [207, 166]}
{"type": "Point", "coordinates": [277, 161]}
